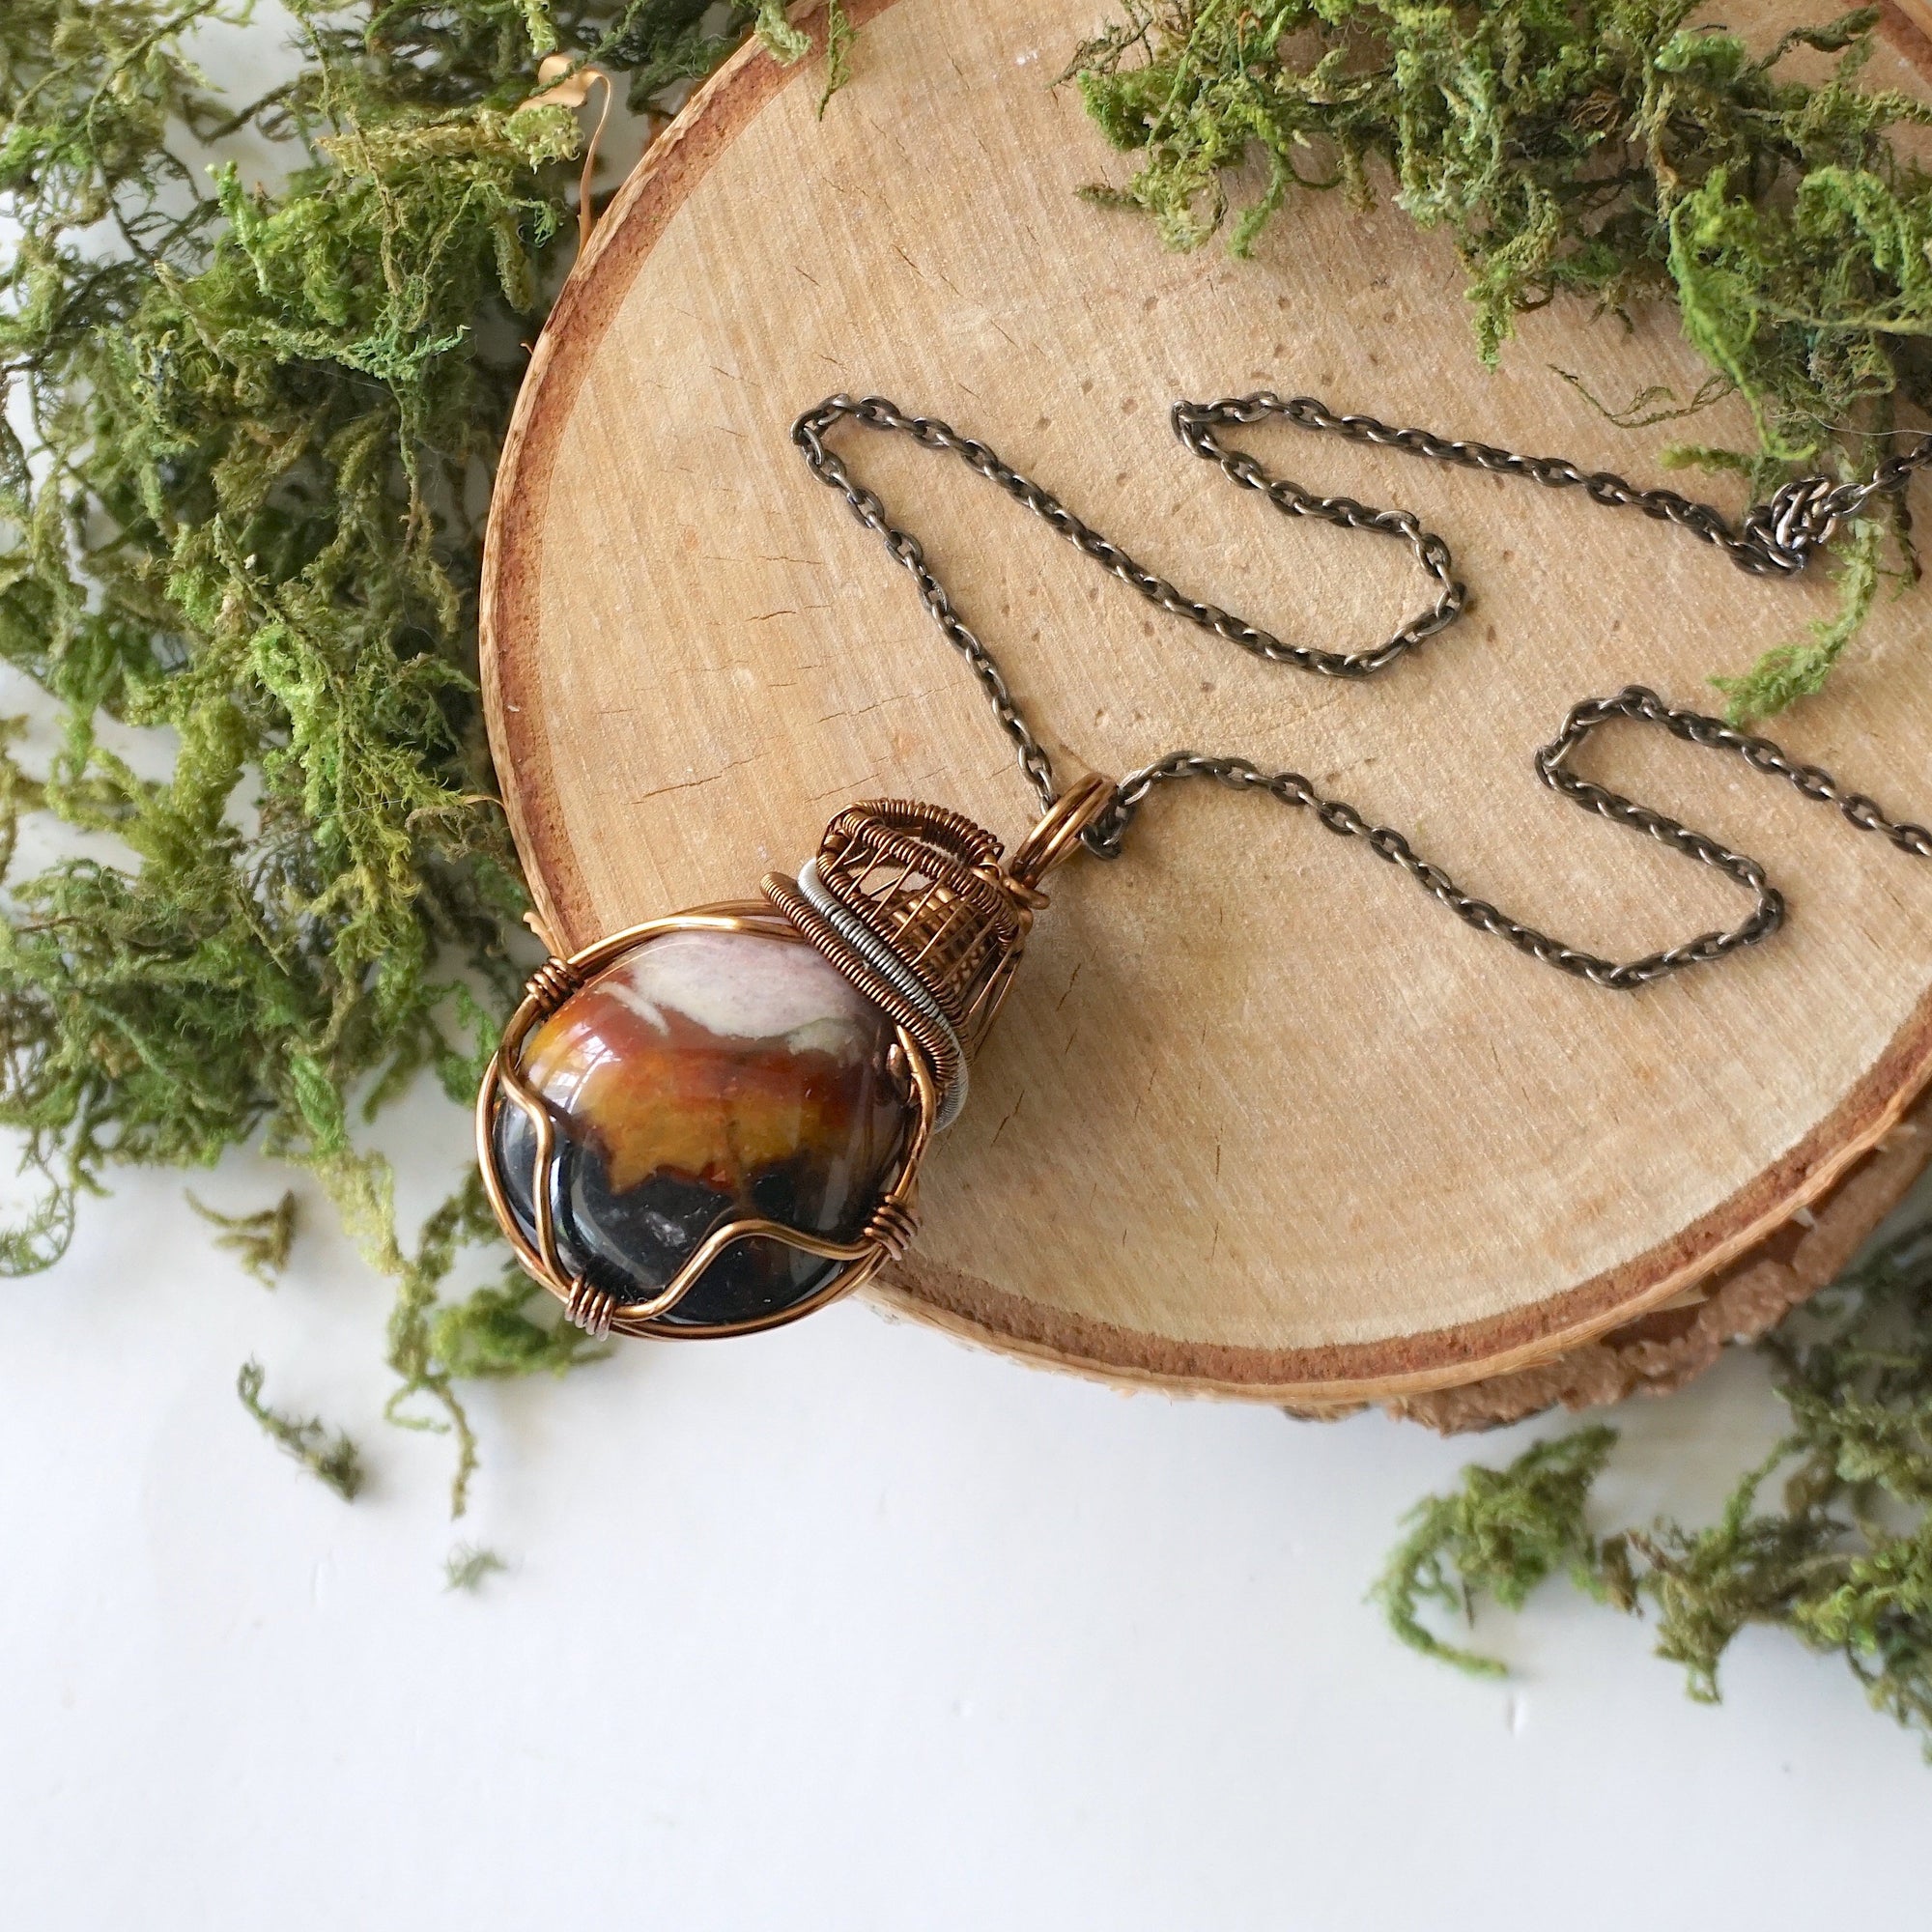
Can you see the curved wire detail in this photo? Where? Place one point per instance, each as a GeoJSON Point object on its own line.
{"type": "Point", "coordinates": [929, 826]}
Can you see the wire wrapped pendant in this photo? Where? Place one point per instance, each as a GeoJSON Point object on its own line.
{"type": "Point", "coordinates": [714, 1123]}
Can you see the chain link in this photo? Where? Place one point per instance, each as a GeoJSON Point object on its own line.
{"type": "Point", "coordinates": [1778, 537]}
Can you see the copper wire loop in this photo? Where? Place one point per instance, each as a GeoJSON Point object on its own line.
{"type": "Point", "coordinates": [591, 1309]}
{"type": "Point", "coordinates": [551, 984]}
{"type": "Point", "coordinates": [893, 1227]}
{"type": "Point", "coordinates": [1061, 828]}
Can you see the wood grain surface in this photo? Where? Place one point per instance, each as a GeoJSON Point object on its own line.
{"type": "Point", "coordinates": [1259, 1118]}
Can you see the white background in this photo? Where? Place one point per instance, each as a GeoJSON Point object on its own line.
{"type": "Point", "coordinates": [845, 1627]}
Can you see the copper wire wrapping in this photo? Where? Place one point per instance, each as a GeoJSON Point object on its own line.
{"type": "Point", "coordinates": [591, 1309]}
{"type": "Point", "coordinates": [941, 1052]}
{"type": "Point", "coordinates": [921, 918]}
{"type": "Point", "coordinates": [893, 1227]}
{"type": "Point", "coordinates": [598, 1310]}
{"type": "Point", "coordinates": [926, 883]}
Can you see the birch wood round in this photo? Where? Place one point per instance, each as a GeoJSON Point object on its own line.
{"type": "Point", "coordinates": [1258, 1119]}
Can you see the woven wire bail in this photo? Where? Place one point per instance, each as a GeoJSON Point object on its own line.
{"type": "Point", "coordinates": [911, 904]}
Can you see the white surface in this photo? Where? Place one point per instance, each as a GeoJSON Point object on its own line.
{"type": "Point", "coordinates": [846, 1626]}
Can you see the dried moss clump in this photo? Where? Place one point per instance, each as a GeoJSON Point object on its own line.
{"type": "Point", "coordinates": [248, 437]}
{"type": "Point", "coordinates": [331, 1459]}
{"type": "Point", "coordinates": [1842, 1560]}
{"type": "Point", "coordinates": [1601, 148]}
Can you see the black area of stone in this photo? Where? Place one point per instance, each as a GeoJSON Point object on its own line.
{"type": "Point", "coordinates": [631, 1242]}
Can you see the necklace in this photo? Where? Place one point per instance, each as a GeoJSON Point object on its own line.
{"type": "Point", "coordinates": [714, 1123]}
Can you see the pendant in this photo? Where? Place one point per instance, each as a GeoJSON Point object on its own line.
{"type": "Point", "coordinates": [714, 1123]}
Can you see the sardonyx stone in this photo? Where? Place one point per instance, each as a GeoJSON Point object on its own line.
{"type": "Point", "coordinates": [706, 1077]}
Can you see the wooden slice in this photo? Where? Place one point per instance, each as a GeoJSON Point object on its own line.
{"type": "Point", "coordinates": [1259, 1118]}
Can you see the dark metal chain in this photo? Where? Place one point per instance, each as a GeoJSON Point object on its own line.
{"type": "Point", "coordinates": [1778, 537]}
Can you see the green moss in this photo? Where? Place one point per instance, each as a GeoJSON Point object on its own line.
{"type": "Point", "coordinates": [1498, 1536]}
{"type": "Point", "coordinates": [1842, 1561]}
{"type": "Point", "coordinates": [839, 39]}
{"type": "Point", "coordinates": [261, 1241]}
{"type": "Point", "coordinates": [1799, 669]}
{"type": "Point", "coordinates": [330, 1458]}
{"type": "Point", "coordinates": [1607, 150]}
{"type": "Point", "coordinates": [467, 1567]}
{"type": "Point", "coordinates": [243, 463]}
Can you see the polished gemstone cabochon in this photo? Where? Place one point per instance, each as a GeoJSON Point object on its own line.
{"type": "Point", "coordinates": [705, 1076]}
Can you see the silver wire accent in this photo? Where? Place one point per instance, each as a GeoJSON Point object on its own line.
{"type": "Point", "coordinates": [888, 964]}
